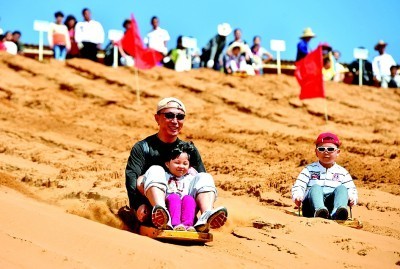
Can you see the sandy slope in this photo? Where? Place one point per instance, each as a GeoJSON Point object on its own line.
{"type": "Point", "coordinates": [66, 131]}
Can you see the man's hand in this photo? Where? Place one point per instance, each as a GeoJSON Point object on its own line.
{"type": "Point", "coordinates": [298, 201]}
{"type": "Point", "coordinates": [143, 213]}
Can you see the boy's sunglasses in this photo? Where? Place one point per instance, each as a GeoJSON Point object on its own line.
{"type": "Point", "coordinates": [170, 116]}
{"type": "Point", "coordinates": [328, 149]}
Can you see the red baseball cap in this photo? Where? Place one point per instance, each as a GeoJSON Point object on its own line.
{"type": "Point", "coordinates": [328, 138]}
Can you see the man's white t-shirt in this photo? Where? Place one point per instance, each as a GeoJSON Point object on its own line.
{"type": "Point", "coordinates": [156, 40]}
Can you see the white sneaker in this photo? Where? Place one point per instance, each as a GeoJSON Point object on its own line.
{"type": "Point", "coordinates": [161, 218]}
{"type": "Point", "coordinates": [211, 219]}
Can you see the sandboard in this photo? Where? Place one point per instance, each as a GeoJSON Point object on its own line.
{"type": "Point", "coordinates": [351, 222]}
{"type": "Point", "coordinates": [175, 236]}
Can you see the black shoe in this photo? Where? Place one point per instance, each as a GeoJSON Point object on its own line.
{"type": "Point", "coordinates": [321, 213]}
{"type": "Point", "coordinates": [341, 214]}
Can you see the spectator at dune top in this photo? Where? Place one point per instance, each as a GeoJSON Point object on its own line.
{"type": "Point", "coordinates": [8, 43]}
{"type": "Point", "coordinates": [70, 22]}
{"type": "Point", "coordinates": [211, 53]}
{"type": "Point", "coordinates": [16, 38]}
{"type": "Point", "coordinates": [303, 46]}
{"type": "Point", "coordinates": [260, 55]}
{"type": "Point", "coordinates": [89, 35]}
{"type": "Point", "coordinates": [393, 81]}
{"type": "Point", "coordinates": [157, 38]}
{"type": "Point", "coordinates": [58, 37]}
{"type": "Point", "coordinates": [382, 63]}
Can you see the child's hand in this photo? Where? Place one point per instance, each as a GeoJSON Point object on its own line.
{"type": "Point", "coordinates": [298, 201]}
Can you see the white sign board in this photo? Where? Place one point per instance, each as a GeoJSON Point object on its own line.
{"type": "Point", "coordinates": [278, 45]}
{"type": "Point", "coordinates": [360, 53]}
{"type": "Point", "coordinates": [115, 35]}
{"type": "Point", "coordinates": [41, 26]}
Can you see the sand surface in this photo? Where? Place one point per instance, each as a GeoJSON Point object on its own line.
{"type": "Point", "coordinates": [66, 130]}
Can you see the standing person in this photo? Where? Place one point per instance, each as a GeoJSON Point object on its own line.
{"type": "Point", "coordinates": [303, 46]}
{"type": "Point", "coordinates": [16, 38]}
{"type": "Point", "coordinates": [237, 33]}
{"type": "Point", "coordinates": [70, 22]}
{"type": "Point", "coordinates": [180, 204]}
{"type": "Point", "coordinates": [157, 38]}
{"type": "Point", "coordinates": [89, 35]}
{"type": "Point", "coordinates": [211, 53]}
{"type": "Point", "coordinates": [59, 37]}
{"type": "Point", "coordinates": [338, 67]}
{"type": "Point", "coordinates": [382, 63]}
{"type": "Point", "coordinates": [150, 192]}
{"type": "Point", "coordinates": [367, 76]}
{"type": "Point", "coordinates": [324, 187]}
{"type": "Point", "coordinates": [260, 55]}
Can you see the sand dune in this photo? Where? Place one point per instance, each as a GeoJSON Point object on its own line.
{"type": "Point", "coordinates": [67, 128]}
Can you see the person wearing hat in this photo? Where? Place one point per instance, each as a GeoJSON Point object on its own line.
{"type": "Point", "coordinates": [235, 61]}
{"type": "Point", "coordinates": [381, 64]}
{"type": "Point", "coordinates": [324, 188]}
{"type": "Point", "coordinates": [147, 193]}
{"type": "Point", "coordinates": [211, 53]}
{"type": "Point", "coordinates": [303, 47]}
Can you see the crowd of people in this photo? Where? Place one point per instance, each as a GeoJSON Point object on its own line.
{"type": "Point", "coordinates": [71, 38]}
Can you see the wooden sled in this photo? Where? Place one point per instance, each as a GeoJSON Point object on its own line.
{"type": "Point", "coordinates": [176, 236]}
{"type": "Point", "coordinates": [351, 222]}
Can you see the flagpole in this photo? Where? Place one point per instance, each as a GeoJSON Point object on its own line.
{"type": "Point", "coordinates": [137, 86]}
{"type": "Point", "coordinates": [326, 111]}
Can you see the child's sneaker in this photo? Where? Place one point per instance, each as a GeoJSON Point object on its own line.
{"type": "Point", "coordinates": [341, 214]}
{"type": "Point", "coordinates": [160, 218]}
{"type": "Point", "coordinates": [180, 228]}
{"type": "Point", "coordinates": [321, 213]}
{"type": "Point", "coordinates": [211, 219]}
{"type": "Point", "coordinates": [190, 229]}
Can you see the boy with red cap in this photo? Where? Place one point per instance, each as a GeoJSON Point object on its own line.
{"type": "Point", "coordinates": [324, 187]}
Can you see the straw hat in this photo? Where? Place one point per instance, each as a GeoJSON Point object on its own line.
{"type": "Point", "coordinates": [307, 33]}
{"type": "Point", "coordinates": [224, 29]}
{"type": "Point", "coordinates": [380, 43]}
{"type": "Point", "coordinates": [236, 44]}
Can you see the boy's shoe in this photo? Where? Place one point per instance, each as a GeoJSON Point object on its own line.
{"type": "Point", "coordinates": [160, 218]}
{"type": "Point", "coordinates": [211, 219]}
{"type": "Point", "coordinates": [341, 214]}
{"type": "Point", "coordinates": [190, 229]}
{"type": "Point", "coordinates": [321, 213]}
{"type": "Point", "coordinates": [180, 228]}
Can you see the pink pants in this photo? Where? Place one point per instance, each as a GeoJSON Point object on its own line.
{"type": "Point", "coordinates": [182, 211]}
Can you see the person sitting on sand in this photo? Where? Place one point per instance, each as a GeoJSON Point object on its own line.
{"type": "Point", "coordinates": [324, 187]}
{"type": "Point", "coordinates": [180, 203]}
{"type": "Point", "coordinates": [149, 192]}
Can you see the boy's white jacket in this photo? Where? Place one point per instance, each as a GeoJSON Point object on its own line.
{"type": "Point", "coordinates": [328, 178]}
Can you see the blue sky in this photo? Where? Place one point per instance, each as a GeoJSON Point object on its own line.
{"type": "Point", "coordinates": [345, 24]}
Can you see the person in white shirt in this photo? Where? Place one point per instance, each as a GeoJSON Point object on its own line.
{"type": "Point", "coordinates": [58, 37]}
{"type": "Point", "coordinates": [89, 35]}
{"type": "Point", "coordinates": [10, 46]}
{"type": "Point", "coordinates": [324, 188]}
{"type": "Point", "coordinates": [382, 63]}
{"type": "Point", "coordinates": [157, 38]}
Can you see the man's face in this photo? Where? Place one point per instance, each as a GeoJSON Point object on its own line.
{"type": "Point", "coordinates": [16, 37]}
{"type": "Point", "coordinates": [179, 166]}
{"type": "Point", "coordinates": [154, 23]}
{"type": "Point", "coordinates": [393, 71]}
{"type": "Point", "coordinates": [168, 123]}
{"type": "Point", "coordinates": [87, 15]}
{"type": "Point", "coordinates": [238, 35]}
{"type": "Point", "coordinates": [59, 19]}
{"type": "Point", "coordinates": [328, 155]}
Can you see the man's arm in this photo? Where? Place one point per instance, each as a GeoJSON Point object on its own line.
{"type": "Point", "coordinates": [134, 169]}
{"type": "Point", "coordinates": [196, 161]}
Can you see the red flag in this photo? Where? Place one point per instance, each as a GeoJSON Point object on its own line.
{"type": "Point", "coordinates": [145, 58]}
{"type": "Point", "coordinates": [309, 75]}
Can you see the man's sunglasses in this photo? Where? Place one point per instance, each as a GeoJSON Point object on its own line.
{"type": "Point", "coordinates": [171, 116]}
{"type": "Point", "coordinates": [328, 149]}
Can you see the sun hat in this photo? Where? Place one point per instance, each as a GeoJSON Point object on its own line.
{"type": "Point", "coordinates": [224, 29]}
{"type": "Point", "coordinates": [327, 138]}
{"type": "Point", "coordinates": [380, 43]}
{"type": "Point", "coordinates": [236, 44]}
{"type": "Point", "coordinates": [170, 102]}
{"type": "Point", "coordinates": [307, 33]}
